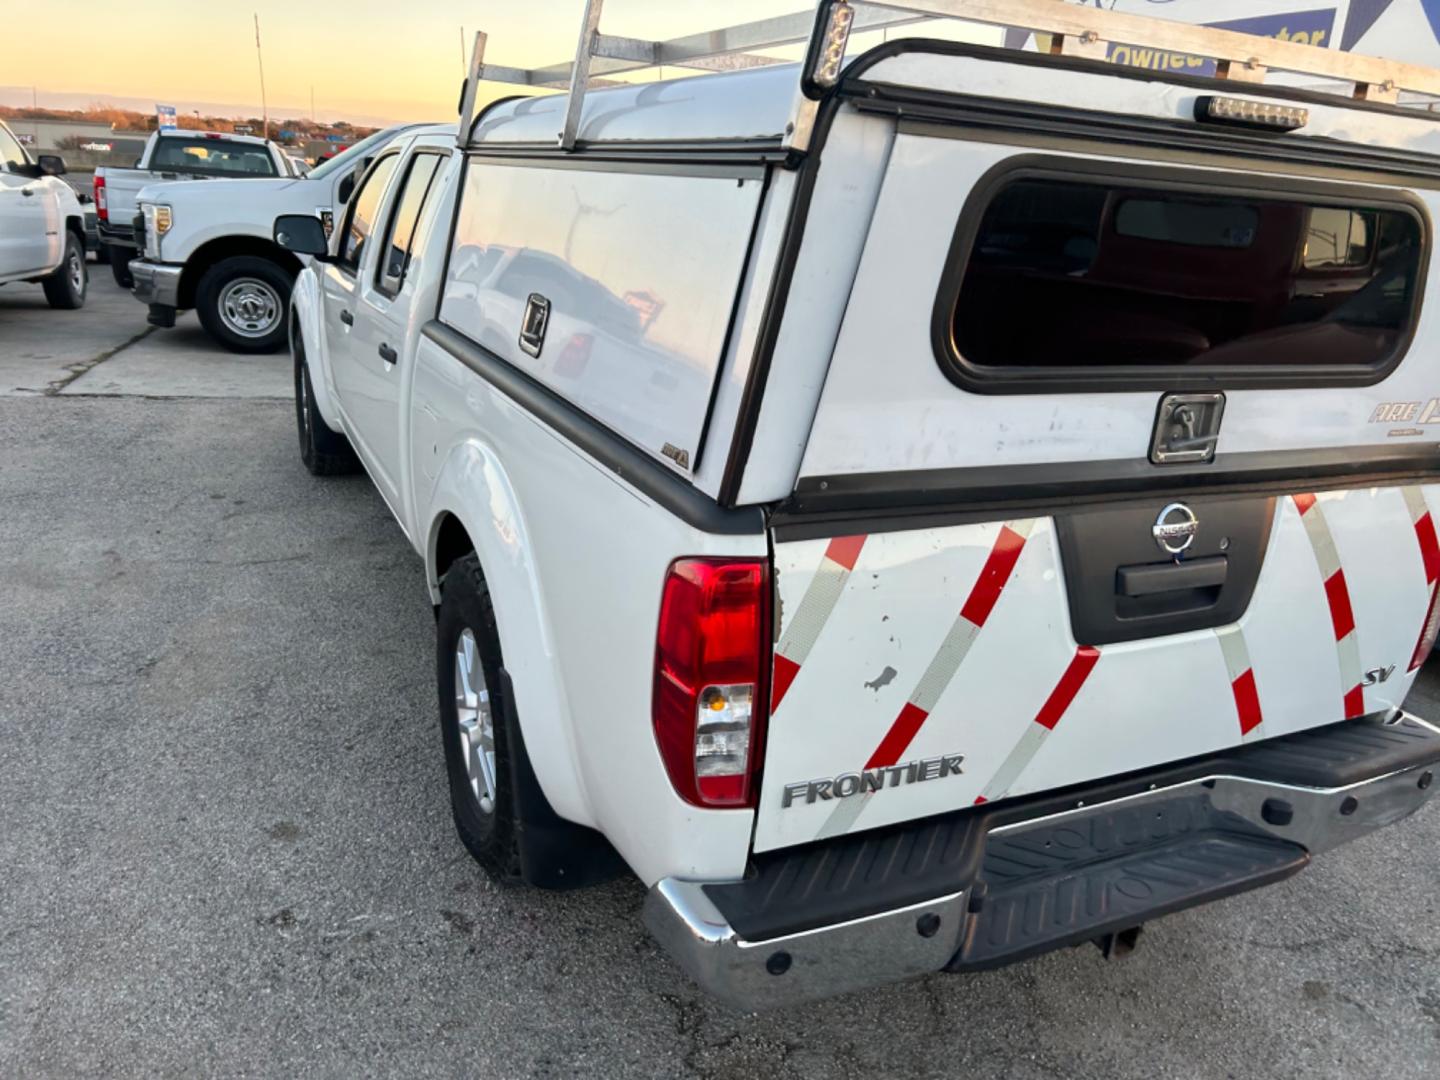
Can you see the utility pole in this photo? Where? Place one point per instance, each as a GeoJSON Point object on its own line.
{"type": "Point", "coordinates": [464, 60]}
{"type": "Point", "coordinates": [312, 103]}
{"type": "Point", "coordinates": [260, 58]}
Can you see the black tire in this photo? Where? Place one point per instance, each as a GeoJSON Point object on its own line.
{"type": "Point", "coordinates": [489, 835]}
{"type": "Point", "coordinates": [324, 452]}
{"type": "Point", "coordinates": [120, 267]}
{"type": "Point", "coordinates": [66, 287]}
{"type": "Point", "coordinates": [102, 253]}
{"type": "Point", "coordinates": [260, 278]}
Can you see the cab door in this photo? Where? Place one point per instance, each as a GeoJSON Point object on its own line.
{"type": "Point", "coordinates": [340, 284]}
{"type": "Point", "coordinates": [384, 310]}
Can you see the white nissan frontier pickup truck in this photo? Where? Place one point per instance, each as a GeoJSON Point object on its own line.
{"type": "Point", "coordinates": [913, 509]}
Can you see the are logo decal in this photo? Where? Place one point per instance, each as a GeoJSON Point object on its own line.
{"type": "Point", "coordinates": [1407, 412]}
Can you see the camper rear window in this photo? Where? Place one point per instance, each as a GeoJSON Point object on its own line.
{"type": "Point", "coordinates": [1088, 279]}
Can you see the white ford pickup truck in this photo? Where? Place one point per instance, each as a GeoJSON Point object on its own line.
{"type": "Point", "coordinates": [209, 247]}
{"type": "Point", "coordinates": [42, 226]}
{"type": "Point", "coordinates": [174, 156]}
{"type": "Point", "coordinates": [915, 512]}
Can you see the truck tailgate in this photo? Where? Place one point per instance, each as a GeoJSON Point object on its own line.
{"type": "Point", "coordinates": [923, 670]}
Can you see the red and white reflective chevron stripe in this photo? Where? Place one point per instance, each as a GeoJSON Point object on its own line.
{"type": "Point", "coordinates": [1046, 720]}
{"type": "Point", "coordinates": [963, 631]}
{"type": "Point", "coordinates": [984, 595]}
{"type": "Point", "coordinates": [1242, 681]}
{"type": "Point", "coordinates": [798, 638]}
{"type": "Point", "coordinates": [1430, 558]}
{"type": "Point", "coordinates": [1424, 532]}
{"type": "Point", "coordinates": [1337, 595]}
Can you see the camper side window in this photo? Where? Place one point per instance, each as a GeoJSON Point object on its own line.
{"type": "Point", "coordinates": [1073, 276]}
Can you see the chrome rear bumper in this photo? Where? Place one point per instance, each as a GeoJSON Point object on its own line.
{"type": "Point", "coordinates": [919, 938]}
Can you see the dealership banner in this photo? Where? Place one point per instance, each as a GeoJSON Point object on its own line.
{"type": "Point", "coordinates": [1406, 30]}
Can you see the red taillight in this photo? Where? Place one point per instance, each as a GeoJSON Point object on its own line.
{"type": "Point", "coordinates": [574, 356]}
{"type": "Point", "coordinates": [711, 657]}
{"type": "Point", "coordinates": [1429, 630]}
{"type": "Point", "coordinates": [102, 199]}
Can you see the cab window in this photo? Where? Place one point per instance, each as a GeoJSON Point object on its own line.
{"type": "Point", "coordinates": [207, 156]}
{"type": "Point", "coordinates": [404, 222]}
{"type": "Point", "coordinates": [364, 208]}
{"type": "Point", "coordinates": [12, 154]}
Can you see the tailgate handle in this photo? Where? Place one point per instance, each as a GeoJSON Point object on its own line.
{"type": "Point", "coordinates": [1148, 579]}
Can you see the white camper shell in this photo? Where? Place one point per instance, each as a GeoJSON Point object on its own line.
{"type": "Point", "coordinates": [916, 513]}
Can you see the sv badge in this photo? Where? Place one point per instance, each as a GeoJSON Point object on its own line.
{"type": "Point", "coordinates": [1377, 675]}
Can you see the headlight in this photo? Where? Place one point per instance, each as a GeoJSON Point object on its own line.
{"type": "Point", "coordinates": [157, 223]}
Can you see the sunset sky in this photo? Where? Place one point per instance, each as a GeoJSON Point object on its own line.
{"type": "Point", "coordinates": [368, 59]}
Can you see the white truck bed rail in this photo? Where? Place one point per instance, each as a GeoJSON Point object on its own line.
{"type": "Point", "coordinates": [1065, 29]}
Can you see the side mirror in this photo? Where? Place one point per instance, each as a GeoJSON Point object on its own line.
{"type": "Point", "coordinates": [302, 234]}
{"type": "Point", "coordinates": [51, 165]}
{"type": "Point", "coordinates": [346, 189]}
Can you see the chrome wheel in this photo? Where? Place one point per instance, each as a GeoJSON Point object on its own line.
{"type": "Point", "coordinates": [250, 307]}
{"type": "Point", "coordinates": [477, 725]}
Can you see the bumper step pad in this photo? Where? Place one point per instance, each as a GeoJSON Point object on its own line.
{"type": "Point", "coordinates": [1050, 885]}
{"type": "Point", "coordinates": [986, 885]}
{"type": "Point", "coordinates": [1126, 856]}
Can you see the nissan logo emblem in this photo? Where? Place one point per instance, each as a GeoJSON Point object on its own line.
{"type": "Point", "coordinates": [1175, 528]}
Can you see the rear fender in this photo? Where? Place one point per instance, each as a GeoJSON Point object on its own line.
{"type": "Point", "coordinates": [473, 486]}
{"type": "Point", "coordinates": [306, 306]}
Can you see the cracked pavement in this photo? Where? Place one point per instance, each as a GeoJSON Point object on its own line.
{"type": "Point", "coordinates": [226, 844]}
{"type": "Point", "coordinates": [107, 348]}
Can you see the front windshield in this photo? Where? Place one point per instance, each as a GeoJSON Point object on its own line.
{"type": "Point", "coordinates": [358, 152]}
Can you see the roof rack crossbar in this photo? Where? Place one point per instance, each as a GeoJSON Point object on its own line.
{"type": "Point", "coordinates": [1060, 28]}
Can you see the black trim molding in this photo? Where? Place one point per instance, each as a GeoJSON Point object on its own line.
{"type": "Point", "coordinates": [626, 461]}
{"type": "Point", "coordinates": [923, 498]}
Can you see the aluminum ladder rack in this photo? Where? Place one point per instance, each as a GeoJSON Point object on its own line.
{"type": "Point", "coordinates": [1063, 29]}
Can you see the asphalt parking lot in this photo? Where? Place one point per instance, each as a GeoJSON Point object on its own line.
{"type": "Point", "coordinates": [226, 845]}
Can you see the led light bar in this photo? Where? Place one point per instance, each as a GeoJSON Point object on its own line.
{"type": "Point", "coordinates": [829, 57]}
{"type": "Point", "coordinates": [1263, 115]}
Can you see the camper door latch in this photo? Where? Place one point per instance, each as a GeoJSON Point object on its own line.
{"type": "Point", "coordinates": [1187, 427]}
{"type": "Point", "coordinates": [534, 324]}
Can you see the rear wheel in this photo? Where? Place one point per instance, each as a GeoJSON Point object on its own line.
{"type": "Point", "coordinates": [120, 267]}
{"type": "Point", "coordinates": [244, 303]}
{"type": "Point", "coordinates": [324, 452]}
{"type": "Point", "coordinates": [477, 757]}
{"type": "Point", "coordinates": [66, 287]}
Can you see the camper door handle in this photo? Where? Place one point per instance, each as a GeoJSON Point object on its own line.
{"type": "Point", "coordinates": [347, 318]}
{"type": "Point", "coordinates": [388, 354]}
